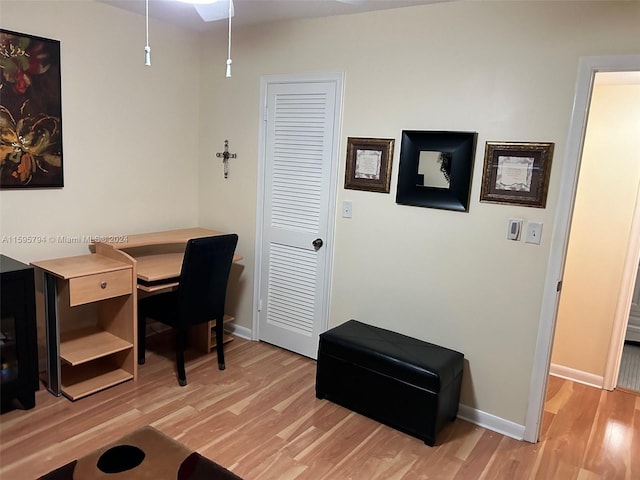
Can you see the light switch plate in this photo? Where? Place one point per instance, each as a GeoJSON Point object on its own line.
{"type": "Point", "coordinates": [534, 233]}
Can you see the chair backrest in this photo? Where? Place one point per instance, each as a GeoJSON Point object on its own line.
{"type": "Point", "coordinates": [204, 277]}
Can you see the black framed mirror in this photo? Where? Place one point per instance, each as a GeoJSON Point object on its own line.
{"type": "Point", "coordinates": [435, 169]}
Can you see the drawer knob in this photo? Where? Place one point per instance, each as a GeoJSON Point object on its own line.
{"type": "Point", "coordinates": [103, 284]}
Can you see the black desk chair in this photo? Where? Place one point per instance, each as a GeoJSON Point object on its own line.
{"type": "Point", "coordinates": [199, 297]}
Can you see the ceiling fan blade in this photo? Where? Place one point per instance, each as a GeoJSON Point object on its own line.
{"type": "Point", "coordinates": [211, 12]}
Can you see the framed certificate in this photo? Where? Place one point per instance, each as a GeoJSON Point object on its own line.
{"type": "Point", "coordinates": [516, 173]}
{"type": "Point", "coordinates": [369, 164]}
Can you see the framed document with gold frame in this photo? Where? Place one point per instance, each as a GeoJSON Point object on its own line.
{"type": "Point", "coordinates": [516, 173]}
{"type": "Point", "coordinates": [369, 164]}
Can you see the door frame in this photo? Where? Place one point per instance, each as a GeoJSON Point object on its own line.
{"type": "Point", "coordinates": [587, 68]}
{"type": "Point", "coordinates": [265, 81]}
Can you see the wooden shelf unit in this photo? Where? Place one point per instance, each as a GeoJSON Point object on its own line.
{"type": "Point", "coordinates": [90, 343]}
{"type": "Point", "coordinates": [203, 336]}
{"type": "Point", "coordinates": [84, 357]}
{"type": "Point", "coordinates": [80, 382]}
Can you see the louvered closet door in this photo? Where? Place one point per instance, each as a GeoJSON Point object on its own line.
{"type": "Point", "coordinates": [298, 145]}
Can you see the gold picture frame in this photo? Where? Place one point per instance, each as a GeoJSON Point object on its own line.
{"type": "Point", "coordinates": [517, 173]}
{"type": "Point", "coordinates": [369, 163]}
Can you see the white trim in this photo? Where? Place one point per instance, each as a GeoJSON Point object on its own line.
{"type": "Point", "coordinates": [257, 272]}
{"type": "Point", "coordinates": [265, 80]}
{"type": "Point", "coordinates": [239, 331]}
{"type": "Point", "coordinates": [491, 422]}
{"type": "Point", "coordinates": [574, 375]}
{"type": "Point", "coordinates": [587, 68]}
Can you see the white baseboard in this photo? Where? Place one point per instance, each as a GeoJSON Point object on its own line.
{"type": "Point", "coordinates": [238, 330]}
{"type": "Point", "coordinates": [576, 375]}
{"type": "Point", "coordinates": [491, 422]}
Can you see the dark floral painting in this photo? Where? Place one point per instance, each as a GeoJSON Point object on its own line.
{"type": "Point", "coordinates": [30, 112]}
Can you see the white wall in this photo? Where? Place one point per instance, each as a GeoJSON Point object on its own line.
{"type": "Point", "coordinates": [130, 132]}
{"type": "Point", "coordinates": [600, 231]}
{"type": "Point", "coordinates": [446, 277]}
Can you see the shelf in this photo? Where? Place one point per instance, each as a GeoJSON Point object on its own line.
{"type": "Point", "coordinates": [78, 382]}
{"type": "Point", "coordinates": [87, 344]}
{"type": "Point", "coordinates": [203, 336]}
{"type": "Point", "coordinates": [157, 288]}
{"type": "Point", "coordinates": [226, 338]}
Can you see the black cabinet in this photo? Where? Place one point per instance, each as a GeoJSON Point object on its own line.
{"type": "Point", "coordinates": [18, 334]}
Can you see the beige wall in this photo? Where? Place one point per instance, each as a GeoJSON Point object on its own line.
{"type": "Point", "coordinates": [605, 203]}
{"type": "Point", "coordinates": [447, 277]}
{"type": "Point", "coordinates": [130, 132]}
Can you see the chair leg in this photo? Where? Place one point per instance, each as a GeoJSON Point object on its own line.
{"type": "Point", "coordinates": [181, 340]}
{"type": "Point", "coordinates": [142, 331]}
{"type": "Point", "coordinates": [219, 342]}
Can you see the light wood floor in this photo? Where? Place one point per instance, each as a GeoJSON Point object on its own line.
{"type": "Point", "coordinates": [260, 419]}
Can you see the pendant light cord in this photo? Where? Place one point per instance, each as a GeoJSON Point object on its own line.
{"type": "Point", "coordinates": [147, 48]}
{"type": "Point", "coordinates": [229, 50]}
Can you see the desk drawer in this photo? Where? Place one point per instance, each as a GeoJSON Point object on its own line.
{"type": "Point", "coordinates": [99, 286]}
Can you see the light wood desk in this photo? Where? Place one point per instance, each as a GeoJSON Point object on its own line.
{"type": "Point", "coordinates": [158, 258]}
{"type": "Point", "coordinates": [159, 255]}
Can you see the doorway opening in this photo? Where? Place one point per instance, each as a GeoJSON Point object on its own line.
{"type": "Point", "coordinates": [596, 284]}
{"type": "Point", "coordinates": [587, 69]}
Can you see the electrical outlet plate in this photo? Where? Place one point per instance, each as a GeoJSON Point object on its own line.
{"type": "Point", "coordinates": [347, 209]}
{"type": "Point", "coordinates": [534, 233]}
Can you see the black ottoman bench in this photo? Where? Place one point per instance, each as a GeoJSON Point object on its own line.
{"type": "Point", "coordinates": [405, 383]}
